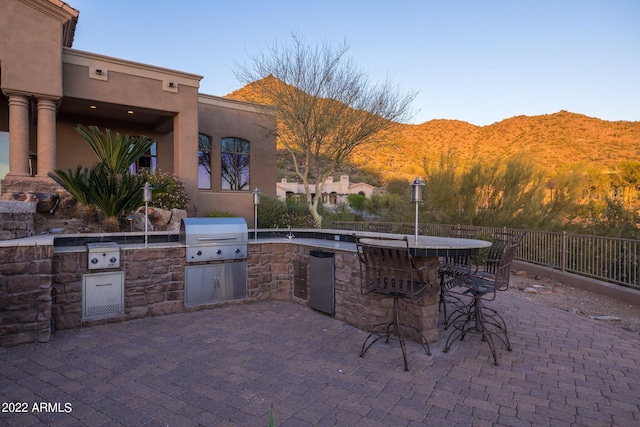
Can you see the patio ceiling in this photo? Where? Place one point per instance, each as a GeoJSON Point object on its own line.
{"type": "Point", "coordinates": [103, 112]}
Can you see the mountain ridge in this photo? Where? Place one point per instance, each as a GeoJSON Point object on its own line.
{"type": "Point", "coordinates": [552, 141]}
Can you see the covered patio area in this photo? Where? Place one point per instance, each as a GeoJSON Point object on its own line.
{"type": "Point", "coordinates": [233, 365]}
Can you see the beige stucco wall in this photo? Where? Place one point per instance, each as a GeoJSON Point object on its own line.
{"type": "Point", "coordinates": [221, 118]}
{"type": "Point", "coordinates": [31, 48]}
{"type": "Point", "coordinates": [137, 86]}
{"type": "Point", "coordinates": [166, 105]}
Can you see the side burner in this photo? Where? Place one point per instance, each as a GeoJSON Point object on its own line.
{"type": "Point", "coordinates": [103, 255]}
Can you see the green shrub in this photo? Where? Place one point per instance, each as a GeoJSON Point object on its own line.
{"type": "Point", "coordinates": [273, 213]}
{"type": "Point", "coordinates": [108, 185]}
{"type": "Point", "coordinates": [169, 192]}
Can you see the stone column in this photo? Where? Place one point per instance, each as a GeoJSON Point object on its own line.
{"type": "Point", "coordinates": [46, 136]}
{"type": "Point", "coordinates": [18, 135]}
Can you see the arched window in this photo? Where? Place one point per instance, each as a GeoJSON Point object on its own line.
{"type": "Point", "coordinates": [234, 164]}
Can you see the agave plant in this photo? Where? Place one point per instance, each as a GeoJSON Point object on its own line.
{"type": "Point", "coordinates": [108, 185]}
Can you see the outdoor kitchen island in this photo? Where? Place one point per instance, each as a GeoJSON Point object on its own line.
{"type": "Point", "coordinates": [152, 280]}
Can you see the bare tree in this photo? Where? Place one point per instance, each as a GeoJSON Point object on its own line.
{"type": "Point", "coordinates": [326, 107]}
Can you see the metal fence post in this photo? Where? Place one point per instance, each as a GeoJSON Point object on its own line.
{"type": "Point", "coordinates": [564, 251]}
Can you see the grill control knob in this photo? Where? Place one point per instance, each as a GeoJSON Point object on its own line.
{"type": "Point", "coordinates": [218, 251]}
{"type": "Point", "coordinates": [199, 253]}
{"type": "Point", "coordinates": [94, 260]}
{"type": "Point", "coordinates": [113, 259]}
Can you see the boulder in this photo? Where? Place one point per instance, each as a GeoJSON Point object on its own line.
{"type": "Point", "coordinates": [157, 217]}
{"type": "Point", "coordinates": [46, 202]}
{"type": "Point", "coordinates": [135, 222]}
{"type": "Point", "coordinates": [176, 219]}
{"type": "Point", "coordinates": [68, 205]}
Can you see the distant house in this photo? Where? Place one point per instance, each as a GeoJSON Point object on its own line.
{"type": "Point", "coordinates": [334, 193]}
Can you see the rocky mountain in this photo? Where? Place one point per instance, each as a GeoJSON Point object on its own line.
{"type": "Point", "coordinates": [551, 140]}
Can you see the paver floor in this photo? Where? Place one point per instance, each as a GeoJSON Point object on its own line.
{"type": "Point", "coordinates": [231, 366]}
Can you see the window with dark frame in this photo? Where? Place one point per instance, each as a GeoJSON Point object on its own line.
{"type": "Point", "coordinates": [234, 165]}
{"type": "Point", "coordinates": [204, 162]}
{"type": "Point", "coordinates": [148, 161]}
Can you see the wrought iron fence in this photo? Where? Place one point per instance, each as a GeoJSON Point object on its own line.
{"type": "Point", "coordinates": [610, 259]}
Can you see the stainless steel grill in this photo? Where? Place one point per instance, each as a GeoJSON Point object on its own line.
{"type": "Point", "coordinates": [219, 246]}
{"type": "Point", "coordinates": [214, 239]}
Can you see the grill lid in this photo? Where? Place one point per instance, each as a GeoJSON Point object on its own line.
{"type": "Point", "coordinates": [213, 231]}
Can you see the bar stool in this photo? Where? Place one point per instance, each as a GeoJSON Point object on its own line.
{"type": "Point", "coordinates": [387, 268]}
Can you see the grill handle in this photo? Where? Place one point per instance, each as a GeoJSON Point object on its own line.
{"type": "Point", "coordinates": [210, 239]}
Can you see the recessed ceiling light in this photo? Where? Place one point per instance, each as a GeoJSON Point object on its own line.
{"type": "Point", "coordinates": [130, 112]}
{"type": "Point", "coordinates": [93, 107]}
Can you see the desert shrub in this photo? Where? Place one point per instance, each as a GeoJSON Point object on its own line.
{"type": "Point", "coordinates": [169, 191]}
{"type": "Point", "coordinates": [610, 218]}
{"type": "Point", "coordinates": [341, 212]}
{"type": "Point", "coordinates": [273, 213]}
{"type": "Point", "coordinates": [298, 215]}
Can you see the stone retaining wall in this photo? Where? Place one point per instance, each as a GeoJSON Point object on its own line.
{"type": "Point", "coordinates": [271, 277]}
{"type": "Point", "coordinates": [46, 294]}
{"type": "Point", "coordinates": [25, 294]}
{"type": "Point", "coordinates": [16, 219]}
{"type": "Point", "coordinates": [154, 285]}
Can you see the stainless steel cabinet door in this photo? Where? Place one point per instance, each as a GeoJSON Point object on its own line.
{"type": "Point", "coordinates": [215, 282]}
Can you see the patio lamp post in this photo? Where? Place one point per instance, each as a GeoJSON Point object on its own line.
{"type": "Point", "coordinates": [146, 198]}
{"type": "Point", "coordinates": [256, 202]}
{"type": "Point", "coordinates": [416, 197]}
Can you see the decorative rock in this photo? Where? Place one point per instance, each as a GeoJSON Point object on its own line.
{"type": "Point", "coordinates": [136, 222]}
{"type": "Point", "coordinates": [67, 205]}
{"type": "Point", "coordinates": [157, 217]}
{"type": "Point", "coordinates": [176, 219]}
{"type": "Point", "coordinates": [46, 202]}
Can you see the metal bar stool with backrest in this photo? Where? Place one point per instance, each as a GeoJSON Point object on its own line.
{"type": "Point", "coordinates": [480, 287]}
{"type": "Point", "coordinates": [387, 268]}
{"type": "Point", "coordinates": [454, 266]}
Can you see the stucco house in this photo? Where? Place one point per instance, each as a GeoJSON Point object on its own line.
{"type": "Point", "coordinates": [48, 88]}
{"type": "Point", "coordinates": [335, 192]}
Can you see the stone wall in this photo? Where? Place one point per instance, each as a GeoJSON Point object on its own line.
{"type": "Point", "coordinates": [42, 290]}
{"type": "Point", "coordinates": [13, 184]}
{"type": "Point", "coordinates": [16, 219]}
{"type": "Point", "coordinates": [271, 277]}
{"type": "Point", "coordinates": [25, 294]}
{"type": "Point", "coordinates": [154, 285]}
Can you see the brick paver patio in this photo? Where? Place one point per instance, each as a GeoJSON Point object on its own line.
{"type": "Point", "coordinates": [231, 365]}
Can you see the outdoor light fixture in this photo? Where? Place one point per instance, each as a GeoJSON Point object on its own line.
{"type": "Point", "coordinates": [256, 202]}
{"type": "Point", "coordinates": [416, 197]}
{"type": "Point", "coordinates": [99, 71]}
{"type": "Point", "coordinates": [146, 198]}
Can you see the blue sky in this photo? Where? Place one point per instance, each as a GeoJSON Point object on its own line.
{"type": "Point", "coordinates": [480, 61]}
